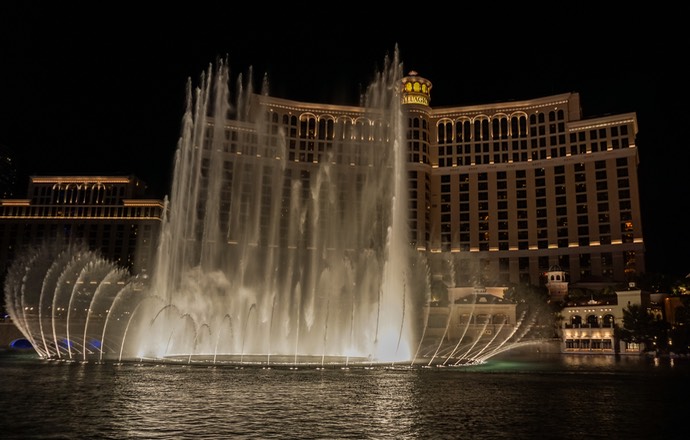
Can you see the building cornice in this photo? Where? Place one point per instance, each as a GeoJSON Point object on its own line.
{"type": "Point", "coordinates": [80, 179]}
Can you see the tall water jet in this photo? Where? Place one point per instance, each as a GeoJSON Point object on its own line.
{"type": "Point", "coordinates": [316, 249]}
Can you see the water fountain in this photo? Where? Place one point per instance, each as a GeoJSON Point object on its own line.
{"type": "Point", "coordinates": [260, 262]}
{"type": "Point", "coordinates": [281, 268]}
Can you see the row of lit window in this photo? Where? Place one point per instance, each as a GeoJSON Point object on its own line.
{"type": "Point", "coordinates": [478, 158]}
{"type": "Point", "coordinates": [498, 127]}
{"type": "Point", "coordinates": [466, 269]}
{"type": "Point", "coordinates": [88, 212]}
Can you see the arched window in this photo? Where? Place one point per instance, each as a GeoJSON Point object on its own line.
{"type": "Point", "coordinates": [482, 318]}
{"type": "Point", "coordinates": [500, 318]}
{"type": "Point", "coordinates": [592, 320]}
{"type": "Point", "coordinates": [608, 320]}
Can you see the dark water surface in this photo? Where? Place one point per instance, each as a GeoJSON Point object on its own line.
{"type": "Point", "coordinates": [515, 397]}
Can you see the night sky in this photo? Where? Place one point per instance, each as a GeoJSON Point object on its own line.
{"type": "Point", "coordinates": [102, 91]}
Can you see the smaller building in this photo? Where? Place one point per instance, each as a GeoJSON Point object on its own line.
{"type": "Point", "coordinates": [109, 214]}
{"type": "Point", "coordinates": [588, 327]}
{"type": "Point", "coordinates": [557, 284]}
{"type": "Point", "coordinates": [470, 313]}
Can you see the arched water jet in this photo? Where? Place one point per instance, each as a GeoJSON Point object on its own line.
{"type": "Point", "coordinates": [420, 344]}
{"type": "Point", "coordinates": [443, 337]}
{"type": "Point", "coordinates": [325, 332]}
{"type": "Point", "coordinates": [489, 342]}
{"type": "Point", "coordinates": [126, 297]}
{"type": "Point", "coordinates": [75, 266]}
{"type": "Point", "coordinates": [103, 279]}
{"type": "Point", "coordinates": [402, 319]}
{"type": "Point", "coordinates": [196, 340]}
{"type": "Point", "coordinates": [508, 343]}
{"type": "Point", "coordinates": [129, 322]}
{"type": "Point", "coordinates": [466, 355]}
{"type": "Point", "coordinates": [270, 330]}
{"type": "Point", "coordinates": [215, 351]}
{"type": "Point", "coordinates": [464, 331]}
{"type": "Point", "coordinates": [244, 330]}
{"type": "Point", "coordinates": [25, 287]}
{"type": "Point", "coordinates": [185, 324]}
{"type": "Point", "coordinates": [503, 340]}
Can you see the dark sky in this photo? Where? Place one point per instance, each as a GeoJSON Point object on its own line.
{"type": "Point", "coordinates": [102, 91]}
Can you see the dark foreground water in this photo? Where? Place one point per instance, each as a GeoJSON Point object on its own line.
{"type": "Point", "coordinates": [516, 397]}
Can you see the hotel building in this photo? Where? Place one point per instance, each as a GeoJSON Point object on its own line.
{"type": "Point", "coordinates": [517, 187]}
{"type": "Point", "coordinates": [500, 192]}
{"type": "Point", "coordinates": [497, 193]}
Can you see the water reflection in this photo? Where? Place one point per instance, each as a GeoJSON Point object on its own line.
{"type": "Point", "coordinates": [558, 397]}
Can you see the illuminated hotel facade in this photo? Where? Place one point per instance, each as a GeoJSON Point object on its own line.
{"type": "Point", "coordinates": [515, 188]}
{"type": "Point", "coordinates": [498, 192]}
{"type": "Point", "coordinates": [108, 214]}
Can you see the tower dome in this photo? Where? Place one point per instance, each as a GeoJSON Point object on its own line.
{"type": "Point", "coordinates": [557, 283]}
{"type": "Point", "coordinates": [415, 89]}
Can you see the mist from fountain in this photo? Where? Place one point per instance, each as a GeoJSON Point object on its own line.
{"type": "Point", "coordinates": [303, 262]}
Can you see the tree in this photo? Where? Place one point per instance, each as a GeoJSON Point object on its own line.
{"type": "Point", "coordinates": [681, 286]}
{"type": "Point", "coordinates": [640, 327]}
{"type": "Point", "coordinates": [680, 327]}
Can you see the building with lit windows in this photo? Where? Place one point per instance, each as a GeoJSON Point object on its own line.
{"type": "Point", "coordinates": [502, 191]}
{"type": "Point", "coordinates": [107, 213]}
{"type": "Point", "coordinates": [587, 325]}
{"type": "Point", "coordinates": [518, 187]}
{"type": "Point", "coordinates": [497, 193]}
